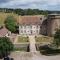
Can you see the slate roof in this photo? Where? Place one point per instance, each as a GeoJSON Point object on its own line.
{"type": "Point", "coordinates": [35, 19]}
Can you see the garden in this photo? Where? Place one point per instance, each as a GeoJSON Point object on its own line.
{"type": "Point", "coordinates": [22, 39]}
{"type": "Point", "coordinates": [22, 44]}
{"type": "Point", "coordinates": [44, 39]}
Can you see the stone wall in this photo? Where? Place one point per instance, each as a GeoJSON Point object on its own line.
{"type": "Point", "coordinates": [22, 46]}
{"type": "Point", "coordinates": [48, 26]}
{"type": "Point", "coordinates": [53, 23]}
{"type": "Point", "coordinates": [43, 28]}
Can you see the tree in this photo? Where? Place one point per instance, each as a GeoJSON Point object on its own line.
{"type": "Point", "coordinates": [28, 12]}
{"type": "Point", "coordinates": [19, 11]}
{"type": "Point", "coordinates": [57, 38]}
{"type": "Point", "coordinates": [10, 23]}
{"type": "Point", "coordinates": [6, 47]}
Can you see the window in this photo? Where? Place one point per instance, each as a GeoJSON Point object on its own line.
{"type": "Point", "coordinates": [30, 26]}
{"type": "Point", "coordinates": [20, 26]}
{"type": "Point", "coordinates": [34, 26]}
{"type": "Point", "coordinates": [25, 31]}
{"type": "Point", "coordinates": [28, 31]}
{"type": "Point", "coordinates": [34, 31]}
{"type": "Point", "coordinates": [37, 31]}
{"type": "Point", "coordinates": [37, 26]}
{"type": "Point", "coordinates": [21, 31]}
{"type": "Point", "coordinates": [40, 18]}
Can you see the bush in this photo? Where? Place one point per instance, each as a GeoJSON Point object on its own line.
{"type": "Point", "coordinates": [46, 50]}
{"type": "Point", "coordinates": [57, 38]}
{"type": "Point", "coordinates": [10, 23]}
{"type": "Point", "coordinates": [6, 46]}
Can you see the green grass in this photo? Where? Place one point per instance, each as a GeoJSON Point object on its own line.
{"type": "Point", "coordinates": [44, 39]}
{"type": "Point", "coordinates": [20, 49]}
{"type": "Point", "coordinates": [22, 39]}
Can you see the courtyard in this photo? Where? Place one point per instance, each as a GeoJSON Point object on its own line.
{"type": "Point", "coordinates": [22, 43]}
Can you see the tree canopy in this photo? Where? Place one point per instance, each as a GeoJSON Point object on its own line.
{"type": "Point", "coordinates": [57, 38]}
{"type": "Point", "coordinates": [10, 23]}
{"type": "Point", "coordinates": [29, 11]}
{"type": "Point", "coordinates": [6, 46]}
{"type": "Point", "coordinates": [22, 12]}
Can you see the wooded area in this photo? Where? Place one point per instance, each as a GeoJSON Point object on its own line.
{"type": "Point", "coordinates": [27, 11]}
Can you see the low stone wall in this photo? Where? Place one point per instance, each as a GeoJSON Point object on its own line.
{"type": "Point", "coordinates": [22, 46]}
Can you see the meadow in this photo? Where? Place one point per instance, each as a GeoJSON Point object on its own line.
{"type": "Point", "coordinates": [3, 17]}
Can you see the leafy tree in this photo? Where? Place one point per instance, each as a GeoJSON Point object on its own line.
{"type": "Point", "coordinates": [10, 23]}
{"type": "Point", "coordinates": [28, 12]}
{"type": "Point", "coordinates": [6, 47]}
{"type": "Point", "coordinates": [19, 11]}
{"type": "Point", "coordinates": [57, 38]}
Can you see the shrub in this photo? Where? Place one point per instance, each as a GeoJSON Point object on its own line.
{"type": "Point", "coordinates": [10, 23]}
{"type": "Point", "coordinates": [46, 50]}
{"type": "Point", "coordinates": [6, 46]}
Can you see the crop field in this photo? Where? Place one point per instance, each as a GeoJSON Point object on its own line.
{"type": "Point", "coordinates": [3, 16]}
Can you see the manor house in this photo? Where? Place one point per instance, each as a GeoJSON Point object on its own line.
{"type": "Point", "coordinates": [38, 24]}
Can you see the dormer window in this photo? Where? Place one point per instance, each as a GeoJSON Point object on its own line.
{"type": "Point", "coordinates": [40, 18]}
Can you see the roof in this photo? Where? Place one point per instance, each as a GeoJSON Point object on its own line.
{"type": "Point", "coordinates": [55, 14]}
{"type": "Point", "coordinates": [33, 19]}
{"type": "Point", "coordinates": [3, 32]}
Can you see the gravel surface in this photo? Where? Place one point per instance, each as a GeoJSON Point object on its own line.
{"type": "Point", "coordinates": [32, 56]}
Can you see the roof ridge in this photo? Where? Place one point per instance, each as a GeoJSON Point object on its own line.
{"type": "Point", "coordinates": [31, 15]}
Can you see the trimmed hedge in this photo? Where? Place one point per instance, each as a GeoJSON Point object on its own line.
{"type": "Point", "coordinates": [46, 50]}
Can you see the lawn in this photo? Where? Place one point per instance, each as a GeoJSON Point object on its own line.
{"type": "Point", "coordinates": [22, 39]}
{"type": "Point", "coordinates": [44, 39]}
{"type": "Point", "coordinates": [20, 49]}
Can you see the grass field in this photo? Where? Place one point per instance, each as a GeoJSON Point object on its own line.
{"type": "Point", "coordinates": [22, 39]}
{"type": "Point", "coordinates": [3, 16]}
{"type": "Point", "coordinates": [44, 39]}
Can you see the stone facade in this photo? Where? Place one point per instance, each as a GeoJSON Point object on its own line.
{"type": "Point", "coordinates": [30, 25]}
{"type": "Point", "coordinates": [29, 29]}
{"type": "Point", "coordinates": [53, 23]}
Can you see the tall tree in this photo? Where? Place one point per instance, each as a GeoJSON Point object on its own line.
{"type": "Point", "coordinates": [6, 47]}
{"type": "Point", "coordinates": [57, 38]}
{"type": "Point", "coordinates": [10, 23]}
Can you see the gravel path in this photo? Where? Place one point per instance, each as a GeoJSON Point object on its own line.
{"type": "Point", "coordinates": [32, 43]}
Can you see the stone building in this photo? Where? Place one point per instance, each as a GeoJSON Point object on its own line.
{"type": "Point", "coordinates": [53, 23]}
{"type": "Point", "coordinates": [39, 24]}
{"type": "Point", "coordinates": [30, 25]}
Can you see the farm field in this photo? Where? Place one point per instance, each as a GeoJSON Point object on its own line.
{"type": "Point", "coordinates": [3, 16]}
